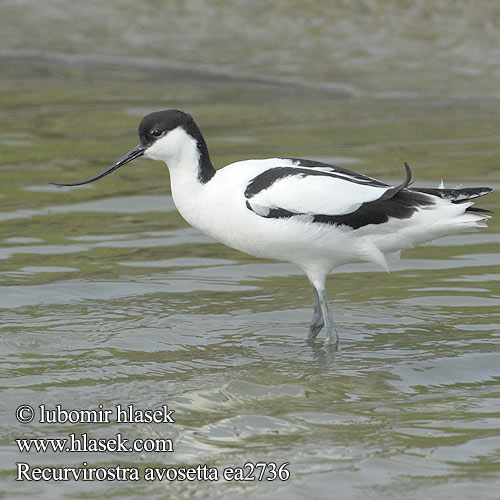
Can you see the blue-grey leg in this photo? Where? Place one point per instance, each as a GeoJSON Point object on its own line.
{"type": "Point", "coordinates": [317, 322]}
{"type": "Point", "coordinates": [332, 337]}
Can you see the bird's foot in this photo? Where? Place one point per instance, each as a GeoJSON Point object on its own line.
{"type": "Point", "coordinates": [309, 339]}
{"type": "Point", "coordinates": [317, 322]}
{"type": "Point", "coordinates": [314, 330]}
{"type": "Point", "coordinates": [332, 338]}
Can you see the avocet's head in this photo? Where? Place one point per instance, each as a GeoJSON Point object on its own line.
{"type": "Point", "coordinates": [170, 135]}
{"type": "Point", "coordinates": [164, 135]}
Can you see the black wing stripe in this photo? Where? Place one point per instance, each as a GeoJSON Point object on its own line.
{"type": "Point", "coordinates": [266, 179]}
{"type": "Point", "coordinates": [401, 206]}
{"type": "Point", "coordinates": [369, 181]}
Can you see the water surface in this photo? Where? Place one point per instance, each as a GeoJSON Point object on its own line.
{"type": "Point", "coordinates": [108, 297]}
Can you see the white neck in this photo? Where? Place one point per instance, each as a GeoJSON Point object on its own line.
{"type": "Point", "coordinates": [180, 152]}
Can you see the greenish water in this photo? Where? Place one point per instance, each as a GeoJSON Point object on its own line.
{"type": "Point", "coordinates": [107, 297]}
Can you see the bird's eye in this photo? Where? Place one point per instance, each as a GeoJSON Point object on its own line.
{"type": "Point", "coordinates": [156, 132]}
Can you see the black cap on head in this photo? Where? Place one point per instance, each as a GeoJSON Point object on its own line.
{"type": "Point", "coordinates": [155, 125]}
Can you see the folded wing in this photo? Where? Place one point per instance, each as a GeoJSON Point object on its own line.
{"type": "Point", "coordinates": [327, 194]}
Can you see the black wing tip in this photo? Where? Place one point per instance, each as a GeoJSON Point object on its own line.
{"type": "Point", "coordinates": [478, 210]}
{"type": "Point", "coordinates": [456, 195]}
{"type": "Point", "coordinates": [477, 191]}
